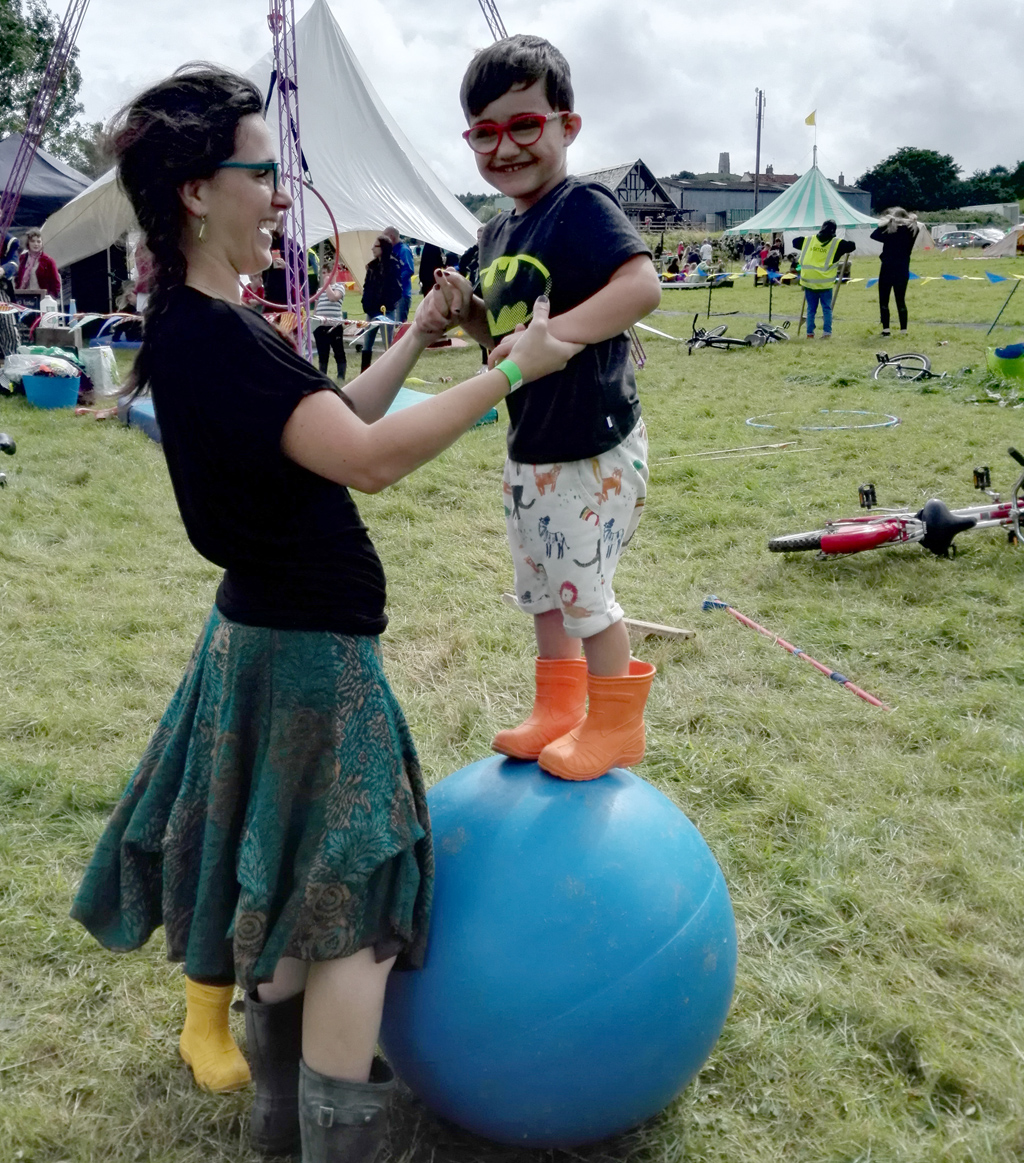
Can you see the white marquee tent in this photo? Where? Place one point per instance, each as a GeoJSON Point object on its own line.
{"type": "Point", "coordinates": [361, 162]}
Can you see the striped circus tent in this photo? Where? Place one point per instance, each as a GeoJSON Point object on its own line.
{"type": "Point", "coordinates": [804, 206]}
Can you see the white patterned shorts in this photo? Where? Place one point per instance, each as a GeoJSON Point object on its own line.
{"type": "Point", "coordinates": [567, 526]}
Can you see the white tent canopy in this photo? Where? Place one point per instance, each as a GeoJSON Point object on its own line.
{"type": "Point", "coordinates": [361, 162]}
{"type": "Point", "coordinates": [1006, 247]}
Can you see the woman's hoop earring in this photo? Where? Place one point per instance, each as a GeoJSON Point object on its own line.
{"type": "Point", "coordinates": [202, 228]}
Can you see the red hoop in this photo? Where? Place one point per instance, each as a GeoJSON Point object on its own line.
{"type": "Point", "coordinates": [334, 270]}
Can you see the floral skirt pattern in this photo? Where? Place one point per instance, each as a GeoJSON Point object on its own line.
{"type": "Point", "coordinates": [278, 811]}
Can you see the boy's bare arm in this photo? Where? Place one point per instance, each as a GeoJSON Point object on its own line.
{"type": "Point", "coordinates": [632, 292]}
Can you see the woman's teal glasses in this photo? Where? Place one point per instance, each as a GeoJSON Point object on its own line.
{"type": "Point", "coordinates": [267, 167]}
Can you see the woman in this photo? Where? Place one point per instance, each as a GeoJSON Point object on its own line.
{"type": "Point", "coordinates": [37, 272]}
{"type": "Point", "coordinates": [276, 825]}
{"type": "Point", "coordinates": [382, 291]}
{"type": "Point", "coordinates": [897, 232]}
{"type": "Point", "coordinates": [9, 249]}
{"type": "Point", "coordinates": [329, 333]}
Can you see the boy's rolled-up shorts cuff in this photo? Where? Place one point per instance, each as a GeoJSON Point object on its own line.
{"type": "Point", "coordinates": [574, 627]}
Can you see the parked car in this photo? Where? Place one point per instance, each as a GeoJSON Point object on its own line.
{"type": "Point", "coordinates": [967, 238]}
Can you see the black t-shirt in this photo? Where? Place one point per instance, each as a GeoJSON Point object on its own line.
{"type": "Point", "coordinates": [896, 248]}
{"type": "Point", "coordinates": [296, 553]}
{"type": "Point", "coordinates": [567, 246]}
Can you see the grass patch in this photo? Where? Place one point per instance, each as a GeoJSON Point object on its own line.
{"type": "Point", "coordinates": [874, 859]}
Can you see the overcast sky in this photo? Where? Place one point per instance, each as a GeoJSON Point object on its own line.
{"type": "Point", "coordinates": [670, 81]}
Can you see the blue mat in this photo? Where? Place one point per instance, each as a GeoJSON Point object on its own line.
{"type": "Point", "coordinates": [140, 413]}
{"type": "Point", "coordinates": [407, 397]}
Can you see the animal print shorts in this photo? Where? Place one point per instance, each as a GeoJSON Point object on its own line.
{"type": "Point", "coordinates": [567, 527]}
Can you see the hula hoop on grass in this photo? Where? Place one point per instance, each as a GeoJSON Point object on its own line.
{"type": "Point", "coordinates": [337, 256]}
{"type": "Point", "coordinates": [887, 421]}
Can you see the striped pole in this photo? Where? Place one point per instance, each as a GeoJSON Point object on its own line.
{"type": "Point", "coordinates": [714, 603]}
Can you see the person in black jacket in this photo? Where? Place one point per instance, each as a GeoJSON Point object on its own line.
{"type": "Point", "coordinates": [382, 291]}
{"type": "Point", "coordinates": [897, 233]}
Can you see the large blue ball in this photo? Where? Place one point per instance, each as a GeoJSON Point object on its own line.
{"type": "Point", "coordinates": [581, 961]}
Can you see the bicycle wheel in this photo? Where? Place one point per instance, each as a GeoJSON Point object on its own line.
{"type": "Point", "coordinates": [796, 542]}
{"type": "Point", "coordinates": [715, 332]}
{"type": "Point", "coordinates": [908, 366]}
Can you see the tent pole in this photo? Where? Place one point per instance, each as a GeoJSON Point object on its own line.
{"type": "Point", "coordinates": [1003, 307]}
{"type": "Point", "coordinates": [771, 287]}
{"type": "Point", "coordinates": [843, 273]}
{"type": "Point", "coordinates": [711, 287]}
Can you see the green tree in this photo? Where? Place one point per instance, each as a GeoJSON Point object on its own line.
{"type": "Point", "coordinates": [27, 35]}
{"type": "Point", "coordinates": [995, 186]}
{"type": "Point", "coordinates": [917, 179]}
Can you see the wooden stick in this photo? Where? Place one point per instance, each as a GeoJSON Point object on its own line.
{"type": "Point", "coordinates": [719, 451]}
{"type": "Point", "coordinates": [634, 625]}
{"type": "Point", "coordinates": [734, 455]}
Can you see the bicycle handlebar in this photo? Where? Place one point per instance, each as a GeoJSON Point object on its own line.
{"type": "Point", "coordinates": [1016, 455]}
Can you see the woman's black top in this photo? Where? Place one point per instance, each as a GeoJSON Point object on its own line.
{"type": "Point", "coordinates": [296, 554]}
{"type": "Point", "coordinates": [382, 287]}
{"type": "Point", "coordinates": [896, 248]}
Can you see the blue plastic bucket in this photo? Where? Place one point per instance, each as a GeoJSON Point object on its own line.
{"type": "Point", "coordinates": [51, 391]}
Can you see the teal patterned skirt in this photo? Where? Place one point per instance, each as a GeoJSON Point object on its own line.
{"type": "Point", "coordinates": [278, 811]}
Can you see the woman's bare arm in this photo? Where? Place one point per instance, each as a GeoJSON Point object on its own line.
{"type": "Point", "coordinates": [326, 437]}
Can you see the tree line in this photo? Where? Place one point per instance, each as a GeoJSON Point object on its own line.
{"type": "Point", "coordinates": [923, 179]}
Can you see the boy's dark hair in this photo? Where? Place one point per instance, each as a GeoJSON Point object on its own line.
{"type": "Point", "coordinates": [516, 60]}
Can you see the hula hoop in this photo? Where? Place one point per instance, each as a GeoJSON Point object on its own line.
{"type": "Point", "coordinates": [887, 421]}
{"type": "Point", "coordinates": [334, 270]}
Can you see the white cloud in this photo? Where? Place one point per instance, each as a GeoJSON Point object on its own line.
{"type": "Point", "coordinates": [672, 83]}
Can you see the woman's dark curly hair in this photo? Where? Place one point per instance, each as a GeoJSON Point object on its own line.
{"type": "Point", "coordinates": [175, 132]}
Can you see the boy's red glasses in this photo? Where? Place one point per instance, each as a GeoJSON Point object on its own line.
{"type": "Point", "coordinates": [523, 129]}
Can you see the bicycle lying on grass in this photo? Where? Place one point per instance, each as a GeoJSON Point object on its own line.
{"type": "Point", "coordinates": [934, 526]}
{"type": "Point", "coordinates": [908, 366]}
{"type": "Point", "coordinates": [715, 337]}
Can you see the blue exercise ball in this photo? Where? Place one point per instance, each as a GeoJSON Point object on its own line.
{"type": "Point", "coordinates": [581, 960]}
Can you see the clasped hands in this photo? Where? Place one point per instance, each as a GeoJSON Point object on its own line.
{"type": "Point", "coordinates": [537, 352]}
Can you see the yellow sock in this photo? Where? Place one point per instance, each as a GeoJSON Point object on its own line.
{"type": "Point", "coordinates": [206, 1042]}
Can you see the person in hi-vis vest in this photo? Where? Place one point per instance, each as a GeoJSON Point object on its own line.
{"type": "Point", "coordinates": [819, 267]}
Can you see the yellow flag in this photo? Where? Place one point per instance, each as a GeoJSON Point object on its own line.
{"type": "Point", "coordinates": [809, 120]}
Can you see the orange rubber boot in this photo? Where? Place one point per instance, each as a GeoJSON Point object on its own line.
{"type": "Point", "coordinates": [559, 705]}
{"type": "Point", "coordinates": [207, 1044]}
{"type": "Point", "coordinates": [612, 735]}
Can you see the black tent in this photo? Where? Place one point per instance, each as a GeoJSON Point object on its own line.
{"type": "Point", "coordinates": [50, 183]}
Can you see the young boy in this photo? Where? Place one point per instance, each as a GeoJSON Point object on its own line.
{"type": "Point", "coordinates": [576, 474]}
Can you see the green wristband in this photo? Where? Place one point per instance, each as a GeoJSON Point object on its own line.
{"type": "Point", "coordinates": [511, 372]}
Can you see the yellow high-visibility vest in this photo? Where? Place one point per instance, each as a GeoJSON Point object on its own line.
{"type": "Point", "coordinates": [818, 265]}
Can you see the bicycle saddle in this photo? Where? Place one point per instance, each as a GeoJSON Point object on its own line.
{"type": "Point", "coordinates": [940, 526]}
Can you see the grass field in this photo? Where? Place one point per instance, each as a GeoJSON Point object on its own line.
{"type": "Point", "coordinates": [875, 859]}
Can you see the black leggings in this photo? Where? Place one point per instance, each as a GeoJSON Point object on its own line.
{"type": "Point", "coordinates": [898, 285]}
{"type": "Point", "coordinates": [330, 339]}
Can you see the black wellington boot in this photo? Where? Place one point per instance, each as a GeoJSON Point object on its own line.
{"type": "Point", "coordinates": [366, 360]}
{"type": "Point", "coordinates": [344, 1122]}
{"type": "Point", "coordinates": [273, 1033]}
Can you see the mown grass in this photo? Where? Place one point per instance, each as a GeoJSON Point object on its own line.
{"type": "Point", "coordinates": [874, 860]}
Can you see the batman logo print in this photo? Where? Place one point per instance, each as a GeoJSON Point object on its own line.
{"type": "Point", "coordinates": [510, 285]}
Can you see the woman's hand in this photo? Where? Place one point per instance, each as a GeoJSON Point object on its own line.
{"type": "Point", "coordinates": [534, 351]}
{"type": "Point", "coordinates": [432, 318]}
{"type": "Point", "coordinates": [457, 291]}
